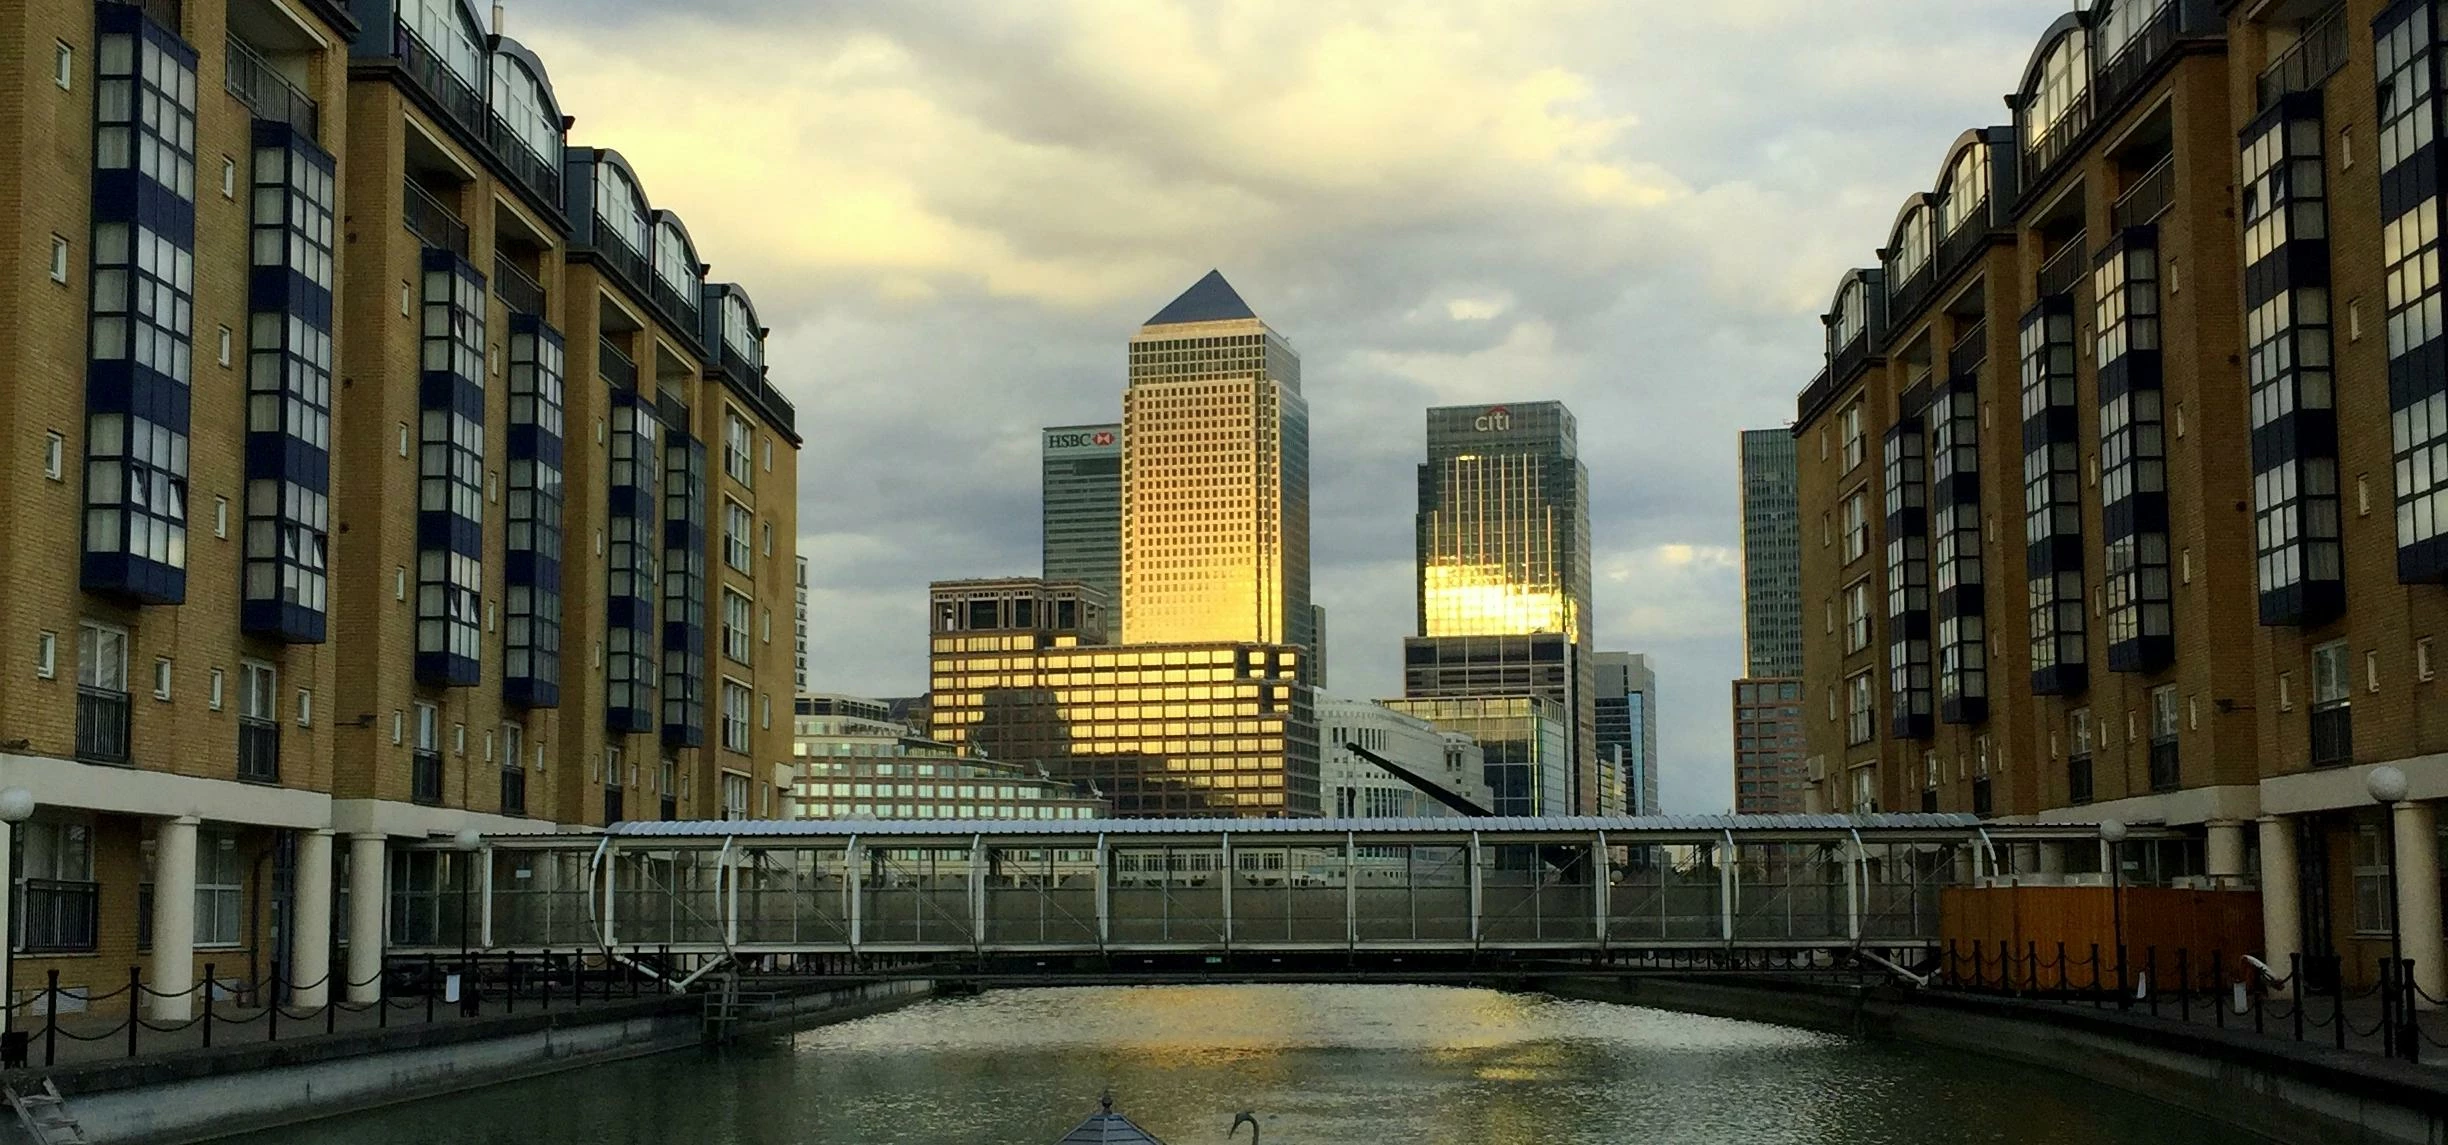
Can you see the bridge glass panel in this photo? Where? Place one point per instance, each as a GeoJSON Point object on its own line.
{"type": "Point", "coordinates": [1541, 893]}
{"type": "Point", "coordinates": [542, 898]}
{"type": "Point", "coordinates": [1789, 891]}
{"type": "Point", "coordinates": [1041, 896]}
{"type": "Point", "coordinates": [916, 896]}
{"type": "Point", "coordinates": [1167, 894]}
{"type": "Point", "coordinates": [666, 896]}
{"type": "Point", "coordinates": [1666, 892]}
{"type": "Point", "coordinates": [1289, 894]}
{"type": "Point", "coordinates": [1900, 888]}
{"type": "Point", "coordinates": [794, 896]}
{"type": "Point", "coordinates": [1413, 893]}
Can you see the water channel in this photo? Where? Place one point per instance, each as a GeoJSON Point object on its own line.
{"type": "Point", "coordinates": [1321, 1065]}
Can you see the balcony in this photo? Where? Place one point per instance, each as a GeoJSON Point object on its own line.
{"type": "Point", "coordinates": [538, 173]}
{"type": "Point", "coordinates": [513, 791]}
{"type": "Point", "coordinates": [2065, 271]}
{"type": "Point", "coordinates": [518, 291]}
{"type": "Point", "coordinates": [626, 263]}
{"type": "Point", "coordinates": [2042, 151]}
{"type": "Point", "coordinates": [2078, 780]}
{"type": "Point", "coordinates": [425, 778]}
{"type": "Point", "coordinates": [1971, 349]}
{"type": "Point", "coordinates": [102, 725]}
{"type": "Point", "coordinates": [614, 365]}
{"type": "Point", "coordinates": [1849, 357]}
{"type": "Point", "coordinates": [2133, 63]}
{"type": "Point", "coordinates": [432, 223]}
{"type": "Point", "coordinates": [1965, 242]}
{"type": "Point", "coordinates": [2148, 197]}
{"type": "Point", "coordinates": [1910, 292]}
{"type": "Point", "coordinates": [60, 916]}
{"type": "Point", "coordinates": [258, 750]}
{"type": "Point", "coordinates": [431, 74]}
{"type": "Point", "coordinates": [2332, 736]}
{"type": "Point", "coordinates": [683, 312]}
{"type": "Point", "coordinates": [2318, 53]}
{"type": "Point", "coordinates": [1815, 397]}
{"type": "Point", "coordinates": [262, 87]}
{"type": "Point", "coordinates": [2164, 773]}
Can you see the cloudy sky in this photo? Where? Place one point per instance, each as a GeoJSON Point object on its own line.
{"type": "Point", "coordinates": [954, 215]}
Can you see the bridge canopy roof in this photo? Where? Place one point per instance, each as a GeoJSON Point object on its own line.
{"type": "Point", "coordinates": [1083, 828]}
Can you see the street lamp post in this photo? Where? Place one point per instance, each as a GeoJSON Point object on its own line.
{"type": "Point", "coordinates": [2387, 785]}
{"type": "Point", "coordinates": [16, 806]}
{"type": "Point", "coordinates": [466, 841]}
{"type": "Point", "coordinates": [2112, 832]}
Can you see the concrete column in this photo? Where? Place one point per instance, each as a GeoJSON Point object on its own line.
{"type": "Point", "coordinates": [2052, 862]}
{"type": "Point", "coordinates": [2026, 862]}
{"type": "Point", "coordinates": [310, 930]}
{"type": "Point", "coordinates": [2418, 897]}
{"type": "Point", "coordinates": [172, 974]}
{"type": "Point", "coordinates": [365, 921]}
{"type": "Point", "coordinates": [8, 928]}
{"type": "Point", "coordinates": [2281, 916]}
{"type": "Point", "coordinates": [2223, 853]}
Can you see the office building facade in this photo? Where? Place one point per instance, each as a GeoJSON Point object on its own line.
{"type": "Point", "coordinates": [854, 761]}
{"type": "Point", "coordinates": [2120, 488]}
{"type": "Point", "coordinates": [1215, 478]}
{"type": "Point", "coordinates": [1624, 702]}
{"type": "Point", "coordinates": [1082, 494]}
{"type": "Point", "coordinates": [1355, 788]}
{"type": "Point", "coordinates": [1771, 555]}
{"type": "Point", "coordinates": [320, 464]}
{"type": "Point", "coordinates": [1769, 748]}
{"type": "Point", "coordinates": [1524, 743]}
{"type": "Point", "coordinates": [1504, 575]}
{"type": "Point", "coordinates": [1020, 672]}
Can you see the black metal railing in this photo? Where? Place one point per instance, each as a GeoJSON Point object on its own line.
{"type": "Point", "coordinates": [1971, 349]}
{"type": "Point", "coordinates": [682, 311]}
{"type": "Point", "coordinates": [2164, 773]}
{"type": "Point", "coordinates": [258, 750]}
{"type": "Point", "coordinates": [2149, 196]}
{"type": "Point", "coordinates": [2126, 70]}
{"type": "Point", "coordinates": [2332, 736]}
{"type": "Point", "coordinates": [430, 72]}
{"type": "Point", "coordinates": [1816, 395]}
{"type": "Point", "coordinates": [627, 264]}
{"type": "Point", "coordinates": [614, 365]}
{"type": "Point", "coordinates": [1850, 356]}
{"type": "Point", "coordinates": [612, 806]}
{"type": "Point", "coordinates": [2065, 270]}
{"type": "Point", "coordinates": [2319, 51]}
{"type": "Point", "coordinates": [1967, 240]}
{"type": "Point", "coordinates": [431, 222]}
{"type": "Point", "coordinates": [425, 777]}
{"type": "Point", "coordinates": [102, 725]}
{"type": "Point", "coordinates": [517, 289]}
{"type": "Point", "coordinates": [2078, 780]}
{"type": "Point", "coordinates": [514, 791]}
{"type": "Point", "coordinates": [540, 173]}
{"type": "Point", "coordinates": [60, 915]}
{"type": "Point", "coordinates": [260, 86]}
{"type": "Point", "coordinates": [2042, 152]}
{"type": "Point", "coordinates": [1910, 291]}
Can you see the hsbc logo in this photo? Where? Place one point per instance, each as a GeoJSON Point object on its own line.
{"type": "Point", "coordinates": [1101, 439]}
{"type": "Point", "coordinates": [1496, 420]}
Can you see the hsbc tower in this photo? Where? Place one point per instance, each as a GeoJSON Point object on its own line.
{"type": "Point", "coordinates": [1083, 508]}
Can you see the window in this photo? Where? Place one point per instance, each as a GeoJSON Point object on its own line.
{"type": "Point", "coordinates": [735, 535]}
{"type": "Point", "coordinates": [1853, 446]}
{"type": "Point", "coordinates": [63, 64]}
{"type": "Point", "coordinates": [1856, 525]}
{"type": "Point", "coordinates": [2422, 659]}
{"type": "Point", "coordinates": [734, 796]}
{"type": "Point", "coordinates": [765, 538]}
{"type": "Point", "coordinates": [46, 655]}
{"type": "Point", "coordinates": [1860, 723]}
{"type": "Point", "coordinates": [258, 721]}
{"type": "Point", "coordinates": [735, 626]}
{"type": "Point", "coordinates": [59, 259]}
{"type": "Point", "coordinates": [738, 459]}
{"type": "Point", "coordinates": [161, 677]}
{"type": "Point", "coordinates": [2165, 724]}
{"type": "Point", "coordinates": [1857, 615]}
{"type": "Point", "coordinates": [212, 689]}
{"type": "Point", "coordinates": [2373, 910]}
{"type": "Point", "coordinates": [1865, 788]}
{"type": "Point", "coordinates": [219, 875]}
{"type": "Point", "coordinates": [766, 441]}
{"type": "Point", "coordinates": [734, 716]}
{"type": "Point", "coordinates": [2406, 56]}
{"type": "Point", "coordinates": [2078, 756]}
{"type": "Point", "coordinates": [425, 775]}
{"type": "Point", "coordinates": [2332, 703]}
{"type": "Point", "coordinates": [305, 708]}
{"type": "Point", "coordinates": [60, 897]}
{"type": "Point", "coordinates": [55, 449]}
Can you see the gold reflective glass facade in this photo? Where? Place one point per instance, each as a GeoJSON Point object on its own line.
{"type": "Point", "coordinates": [1179, 730]}
{"type": "Point", "coordinates": [1215, 486]}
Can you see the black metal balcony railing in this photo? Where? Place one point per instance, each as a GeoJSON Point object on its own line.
{"type": "Point", "coordinates": [2164, 774]}
{"type": "Point", "coordinates": [260, 86]}
{"type": "Point", "coordinates": [1814, 396]}
{"type": "Point", "coordinates": [540, 173]}
{"type": "Point", "coordinates": [1984, 798]}
{"type": "Point", "coordinates": [1966, 241]}
{"type": "Point", "coordinates": [626, 263]}
{"type": "Point", "coordinates": [614, 365]}
{"type": "Point", "coordinates": [2042, 150]}
{"type": "Point", "coordinates": [258, 750]}
{"type": "Point", "coordinates": [1850, 356]}
{"type": "Point", "coordinates": [60, 915]}
{"type": "Point", "coordinates": [513, 791]}
{"type": "Point", "coordinates": [102, 725]}
{"type": "Point", "coordinates": [2126, 70]}
{"type": "Point", "coordinates": [2332, 736]}
{"type": "Point", "coordinates": [425, 777]}
{"type": "Point", "coordinates": [2148, 197]}
{"type": "Point", "coordinates": [432, 223]}
{"type": "Point", "coordinates": [459, 100]}
{"type": "Point", "coordinates": [612, 806]}
{"type": "Point", "coordinates": [2065, 271]}
{"type": "Point", "coordinates": [1910, 292]}
{"type": "Point", "coordinates": [671, 411]}
{"type": "Point", "coordinates": [517, 289]}
{"type": "Point", "coordinates": [1971, 349]}
{"type": "Point", "coordinates": [2078, 780]}
{"type": "Point", "coordinates": [2319, 51]}
{"type": "Point", "coordinates": [681, 310]}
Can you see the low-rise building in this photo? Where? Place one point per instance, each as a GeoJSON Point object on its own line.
{"type": "Point", "coordinates": [1354, 787]}
{"type": "Point", "coordinates": [855, 761]}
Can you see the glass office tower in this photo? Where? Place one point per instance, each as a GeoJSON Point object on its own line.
{"type": "Point", "coordinates": [1083, 507]}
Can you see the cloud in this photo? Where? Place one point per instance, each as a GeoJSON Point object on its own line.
{"type": "Point", "coordinates": [955, 214]}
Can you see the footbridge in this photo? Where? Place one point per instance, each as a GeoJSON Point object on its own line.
{"type": "Point", "coordinates": [1144, 893]}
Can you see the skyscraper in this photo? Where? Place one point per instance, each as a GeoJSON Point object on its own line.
{"type": "Point", "coordinates": [1772, 555]}
{"type": "Point", "coordinates": [1083, 507]}
{"type": "Point", "coordinates": [1215, 477]}
{"type": "Point", "coordinates": [1768, 754]}
{"type": "Point", "coordinates": [1626, 707]}
{"type": "Point", "coordinates": [1504, 583]}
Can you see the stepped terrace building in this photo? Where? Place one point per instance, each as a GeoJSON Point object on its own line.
{"type": "Point", "coordinates": [382, 464]}
{"type": "Point", "coordinates": [2122, 487]}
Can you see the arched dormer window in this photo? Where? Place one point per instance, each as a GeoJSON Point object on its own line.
{"type": "Point", "coordinates": [675, 260]}
{"type": "Point", "coordinates": [523, 102]}
{"type": "Point", "coordinates": [1965, 192]}
{"type": "Point", "coordinates": [2124, 22]}
{"type": "Point", "coordinates": [620, 209]}
{"type": "Point", "coordinates": [1911, 244]}
{"type": "Point", "coordinates": [1852, 313]}
{"type": "Point", "coordinates": [2058, 91]}
{"type": "Point", "coordinates": [451, 29]}
{"type": "Point", "coordinates": [739, 331]}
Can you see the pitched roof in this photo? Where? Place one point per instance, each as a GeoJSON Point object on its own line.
{"type": "Point", "coordinates": [1210, 299]}
{"type": "Point", "coordinates": [1106, 1127]}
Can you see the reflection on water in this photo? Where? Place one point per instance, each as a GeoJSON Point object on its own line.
{"type": "Point", "coordinates": [1322, 1065]}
